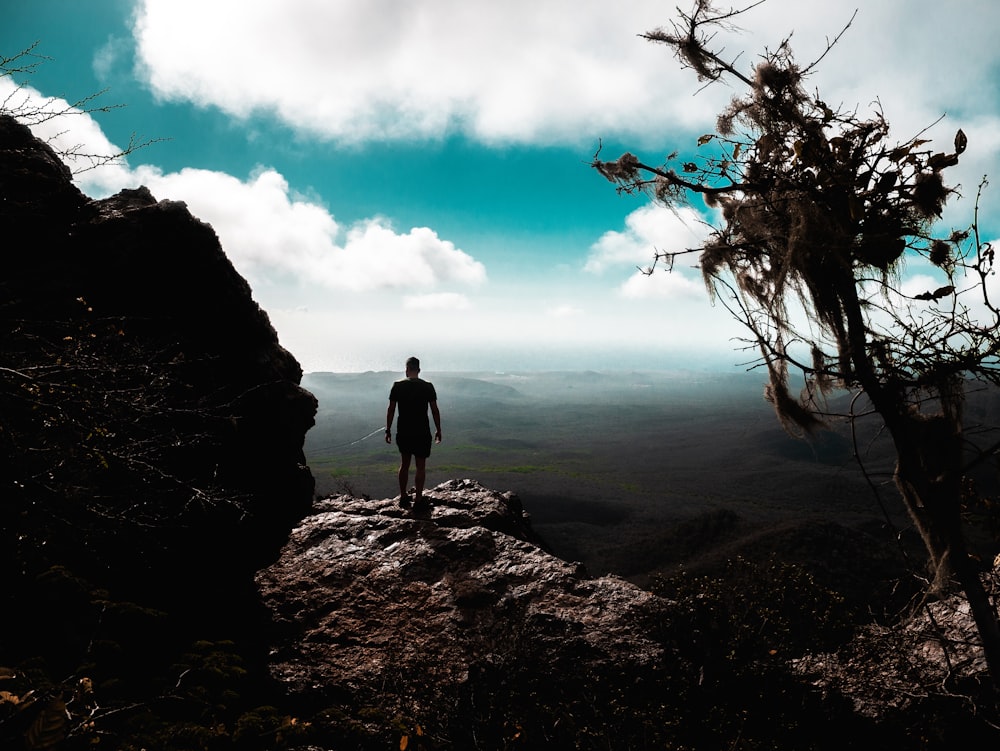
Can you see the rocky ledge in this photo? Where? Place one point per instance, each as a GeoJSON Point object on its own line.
{"type": "Point", "coordinates": [375, 601]}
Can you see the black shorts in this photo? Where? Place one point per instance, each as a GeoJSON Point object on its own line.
{"type": "Point", "coordinates": [418, 445]}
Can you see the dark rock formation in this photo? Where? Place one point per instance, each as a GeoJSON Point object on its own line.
{"type": "Point", "coordinates": [420, 611]}
{"type": "Point", "coordinates": [151, 425]}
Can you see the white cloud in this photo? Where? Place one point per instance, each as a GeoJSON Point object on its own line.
{"type": "Point", "coordinates": [647, 230]}
{"type": "Point", "coordinates": [662, 284]}
{"type": "Point", "coordinates": [524, 71]}
{"type": "Point", "coordinates": [506, 71]}
{"type": "Point", "coordinates": [109, 57]}
{"type": "Point", "coordinates": [269, 232]}
{"type": "Point", "coordinates": [265, 228]}
{"type": "Point", "coordinates": [437, 301]}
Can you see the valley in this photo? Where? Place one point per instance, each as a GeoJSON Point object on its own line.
{"type": "Point", "coordinates": [629, 473]}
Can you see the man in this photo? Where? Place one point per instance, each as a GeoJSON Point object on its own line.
{"type": "Point", "coordinates": [413, 396]}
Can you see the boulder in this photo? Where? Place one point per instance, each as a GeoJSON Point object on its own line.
{"type": "Point", "coordinates": [153, 425]}
{"type": "Point", "coordinates": [380, 605]}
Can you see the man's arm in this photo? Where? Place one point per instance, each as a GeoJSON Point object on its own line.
{"type": "Point", "coordinates": [389, 414]}
{"type": "Point", "coordinates": [436, 414]}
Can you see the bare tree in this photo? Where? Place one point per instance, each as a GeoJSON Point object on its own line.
{"type": "Point", "coordinates": [820, 215]}
{"type": "Point", "coordinates": [32, 111]}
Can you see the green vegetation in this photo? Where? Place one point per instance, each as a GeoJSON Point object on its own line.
{"type": "Point", "coordinates": [517, 469]}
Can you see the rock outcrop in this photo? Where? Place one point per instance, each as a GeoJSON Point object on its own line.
{"type": "Point", "coordinates": [151, 439]}
{"type": "Point", "coordinates": [381, 606]}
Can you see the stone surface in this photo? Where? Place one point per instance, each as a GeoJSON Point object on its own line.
{"type": "Point", "coordinates": [367, 591]}
{"type": "Point", "coordinates": [886, 670]}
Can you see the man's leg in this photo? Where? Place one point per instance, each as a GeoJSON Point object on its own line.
{"type": "Point", "coordinates": [403, 474]}
{"type": "Point", "coordinates": [418, 480]}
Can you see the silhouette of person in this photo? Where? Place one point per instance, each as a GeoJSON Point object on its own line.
{"type": "Point", "coordinates": [413, 396]}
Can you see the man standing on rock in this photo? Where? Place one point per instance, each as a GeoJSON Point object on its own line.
{"type": "Point", "coordinates": [413, 395]}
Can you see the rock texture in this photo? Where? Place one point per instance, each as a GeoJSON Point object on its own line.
{"type": "Point", "coordinates": [152, 424]}
{"type": "Point", "coordinates": [885, 671]}
{"type": "Point", "coordinates": [371, 596]}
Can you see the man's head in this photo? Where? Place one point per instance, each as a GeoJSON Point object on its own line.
{"type": "Point", "coordinates": [412, 366]}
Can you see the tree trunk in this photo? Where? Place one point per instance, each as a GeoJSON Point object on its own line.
{"type": "Point", "coordinates": [928, 475]}
{"type": "Point", "coordinates": [983, 610]}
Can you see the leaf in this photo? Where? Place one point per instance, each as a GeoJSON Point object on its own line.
{"type": "Point", "coordinates": [886, 182]}
{"type": "Point", "coordinates": [705, 139]}
{"type": "Point", "coordinates": [961, 141]}
{"type": "Point", "coordinates": [936, 294]}
{"type": "Point", "coordinates": [940, 161]}
{"type": "Point", "coordinates": [856, 208]}
{"type": "Point", "coordinates": [943, 292]}
{"type": "Point", "coordinates": [49, 728]}
{"type": "Point", "coordinates": [898, 153]}
{"type": "Point", "coordinates": [404, 742]}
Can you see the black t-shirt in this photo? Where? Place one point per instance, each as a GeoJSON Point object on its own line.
{"type": "Point", "coordinates": [412, 396]}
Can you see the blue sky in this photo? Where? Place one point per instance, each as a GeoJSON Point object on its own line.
{"type": "Point", "coordinates": [399, 178]}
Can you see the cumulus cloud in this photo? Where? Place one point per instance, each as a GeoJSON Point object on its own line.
{"type": "Point", "coordinates": [647, 230]}
{"type": "Point", "coordinates": [511, 71]}
{"type": "Point", "coordinates": [525, 71]}
{"type": "Point", "coordinates": [662, 284]}
{"type": "Point", "coordinates": [268, 230]}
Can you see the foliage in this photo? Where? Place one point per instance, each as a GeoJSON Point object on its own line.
{"type": "Point", "coordinates": [128, 612]}
{"type": "Point", "coordinates": [820, 207]}
{"type": "Point", "coordinates": [820, 212]}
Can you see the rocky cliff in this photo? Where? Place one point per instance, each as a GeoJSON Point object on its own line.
{"type": "Point", "coordinates": [416, 613]}
{"type": "Point", "coordinates": [151, 426]}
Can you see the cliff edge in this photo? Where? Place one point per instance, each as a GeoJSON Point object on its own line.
{"type": "Point", "coordinates": [459, 606]}
{"type": "Point", "coordinates": [151, 424]}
